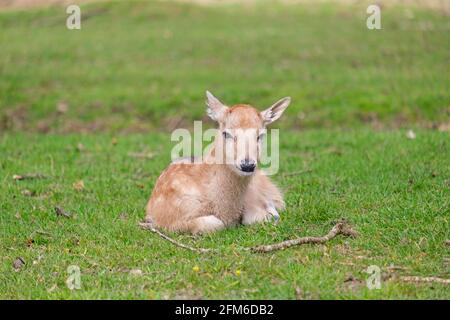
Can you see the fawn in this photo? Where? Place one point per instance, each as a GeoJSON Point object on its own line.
{"type": "Point", "coordinates": [226, 188]}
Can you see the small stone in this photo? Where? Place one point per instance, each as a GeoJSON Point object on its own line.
{"type": "Point", "coordinates": [18, 263]}
{"type": "Point", "coordinates": [410, 134]}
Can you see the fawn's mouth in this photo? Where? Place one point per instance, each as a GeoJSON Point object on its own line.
{"type": "Point", "coordinates": [243, 173]}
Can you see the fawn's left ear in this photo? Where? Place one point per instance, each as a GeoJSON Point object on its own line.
{"type": "Point", "coordinates": [216, 109]}
{"type": "Point", "coordinates": [276, 110]}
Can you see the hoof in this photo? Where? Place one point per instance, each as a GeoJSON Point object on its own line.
{"type": "Point", "coordinates": [273, 213]}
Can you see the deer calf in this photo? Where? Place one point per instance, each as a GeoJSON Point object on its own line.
{"type": "Point", "coordinates": [226, 188]}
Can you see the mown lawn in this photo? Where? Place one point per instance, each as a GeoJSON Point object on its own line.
{"type": "Point", "coordinates": [97, 106]}
{"type": "Point", "coordinates": [393, 190]}
{"type": "Point", "coordinates": [136, 66]}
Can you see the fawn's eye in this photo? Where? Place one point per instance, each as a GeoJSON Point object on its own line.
{"type": "Point", "coordinates": [227, 135]}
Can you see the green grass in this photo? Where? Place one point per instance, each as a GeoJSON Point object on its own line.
{"type": "Point", "coordinates": [144, 67]}
{"type": "Point", "coordinates": [139, 66]}
{"type": "Point", "coordinates": [393, 190]}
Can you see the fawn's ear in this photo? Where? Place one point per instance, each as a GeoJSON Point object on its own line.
{"type": "Point", "coordinates": [276, 110]}
{"type": "Point", "coordinates": [216, 110]}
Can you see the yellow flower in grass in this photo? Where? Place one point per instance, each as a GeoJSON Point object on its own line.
{"type": "Point", "coordinates": [196, 269]}
{"type": "Point", "coordinates": [238, 272]}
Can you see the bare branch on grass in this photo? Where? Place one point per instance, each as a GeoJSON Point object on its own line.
{"type": "Point", "coordinates": [341, 228]}
{"type": "Point", "coordinates": [417, 279]}
{"type": "Point", "coordinates": [296, 173]}
{"type": "Point", "coordinates": [29, 176]}
{"type": "Point", "coordinates": [149, 226]}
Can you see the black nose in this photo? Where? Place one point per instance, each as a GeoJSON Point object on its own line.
{"type": "Point", "coordinates": [248, 165]}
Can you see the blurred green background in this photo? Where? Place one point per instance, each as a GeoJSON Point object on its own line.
{"type": "Point", "coordinates": [137, 66]}
{"type": "Point", "coordinates": [90, 110]}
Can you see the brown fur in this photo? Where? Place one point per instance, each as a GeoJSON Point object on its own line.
{"type": "Point", "coordinates": [204, 197]}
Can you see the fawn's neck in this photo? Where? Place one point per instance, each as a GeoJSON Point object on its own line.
{"type": "Point", "coordinates": [228, 181]}
{"type": "Point", "coordinates": [228, 189]}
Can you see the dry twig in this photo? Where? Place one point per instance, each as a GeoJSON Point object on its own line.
{"type": "Point", "coordinates": [295, 173]}
{"type": "Point", "coordinates": [425, 279]}
{"type": "Point", "coordinates": [142, 155]}
{"type": "Point", "coordinates": [29, 176]}
{"type": "Point", "coordinates": [340, 228]}
{"type": "Point", "coordinates": [149, 226]}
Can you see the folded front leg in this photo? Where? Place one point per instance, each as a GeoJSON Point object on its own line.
{"type": "Point", "coordinates": [257, 214]}
{"type": "Point", "coordinates": [262, 201]}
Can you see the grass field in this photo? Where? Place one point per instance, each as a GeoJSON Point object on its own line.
{"type": "Point", "coordinates": [97, 105]}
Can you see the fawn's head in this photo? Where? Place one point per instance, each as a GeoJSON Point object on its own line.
{"type": "Point", "coordinates": [241, 130]}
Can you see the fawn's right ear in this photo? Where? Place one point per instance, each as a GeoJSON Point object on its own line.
{"type": "Point", "coordinates": [216, 110]}
{"type": "Point", "coordinates": [276, 110]}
